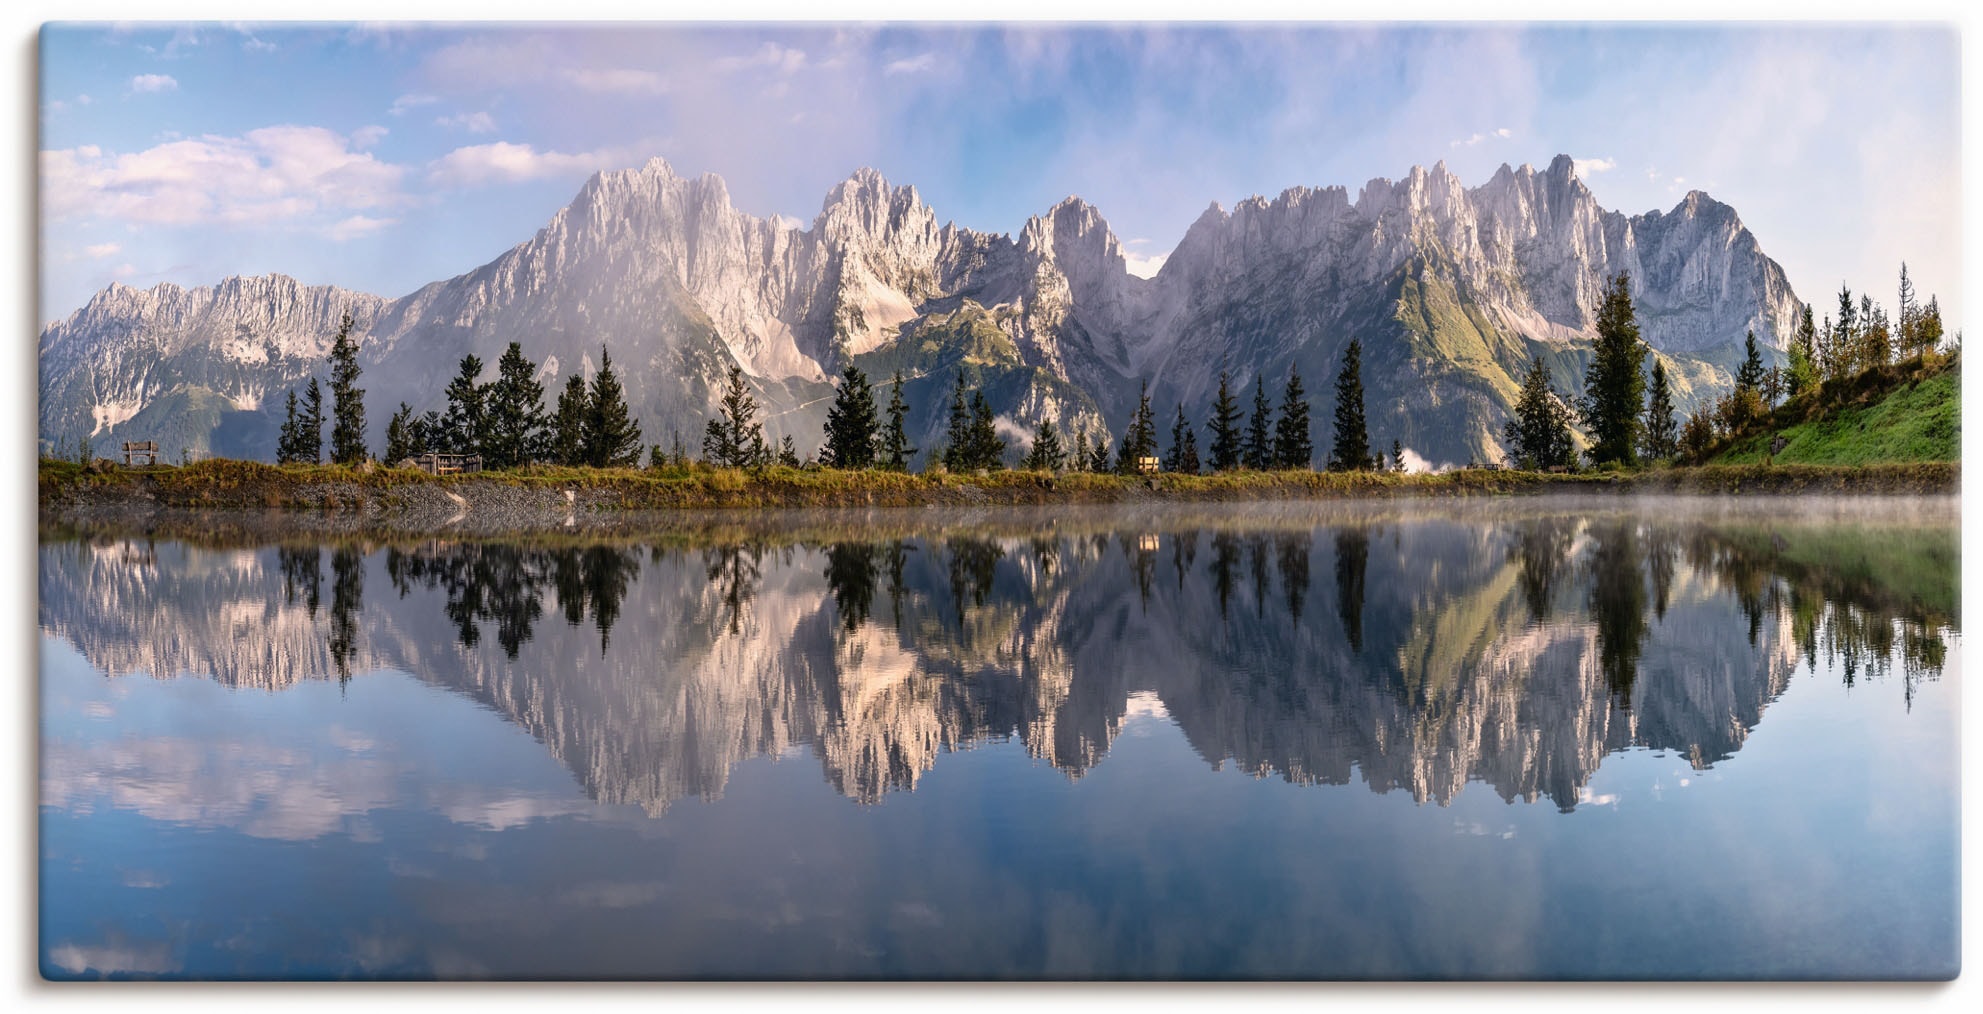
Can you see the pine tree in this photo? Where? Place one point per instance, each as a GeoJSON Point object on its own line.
{"type": "Point", "coordinates": [1875, 337]}
{"type": "Point", "coordinates": [1098, 459]}
{"type": "Point", "coordinates": [1908, 324]}
{"type": "Point", "coordinates": [1538, 437]}
{"type": "Point", "coordinates": [895, 449]}
{"type": "Point", "coordinates": [957, 439]}
{"type": "Point", "coordinates": [347, 401]}
{"type": "Point", "coordinates": [850, 423]}
{"type": "Point", "coordinates": [1180, 433]}
{"type": "Point", "coordinates": [514, 410]}
{"type": "Point", "coordinates": [987, 448]}
{"type": "Point", "coordinates": [1079, 461]}
{"type": "Point", "coordinates": [310, 435]}
{"type": "Point", "coordinates": [1930, 335]}
{"type": "Point", "coordinates": [568, 423]}
{"type": "Point", "coordinates": [1351, 448]}
{"type": "Point", "coordinates": [736, 437]}
{"type": "Point", "coordinates": [612, 436]}
{"type": "Point", "coordinates": [1293, 448]}
{"type": "Point", "coordinates": [1188, 462]}
{"type": "Point", "coordinates": [1139, 441]}
{"type": "Point", "coordinates": [1225, 429]}
{"type": "Point", "coordinates": [788, 452]}
{"type": "Point", "coordinates": [1047, 454]}
{"type": "Point", "coordinates": [400, 444]}
{"type": "Point", "coordinates": [1803, 373]}
{"type": "Point", "coordinates": [462, 427]}
{"type": "Point", "coordinates": [1661, 432]}
{"type": "Point", "coordinates": [1844, 344]}
{"type": "Point", "coordinates": [291, 434]}
{"type": "Point", "coordinates": [1750, 376]}
{"type": "Point", "coordinates": [1397, 456]}
{"type": "Point", "coordinates": [1259, 451]}
{"type": "Point", "coordinates": [1615, 386]}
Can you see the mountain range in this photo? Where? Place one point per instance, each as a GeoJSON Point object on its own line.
{"type": "Point", "coordinates": [1451, 290]}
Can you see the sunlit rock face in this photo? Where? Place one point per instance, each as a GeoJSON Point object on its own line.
{"type": "Point", "coordinates": [1409, 657]}
{"type": "Point", "coordinates": [1451, 289]}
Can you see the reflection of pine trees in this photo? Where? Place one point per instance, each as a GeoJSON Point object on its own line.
{"type": "Point", "coordinates": [1617, 604]}
{"type": "Point", "coordinates": [1291, 552]}
{"type": "Point", "coordinates": [1542, 546]}
{"type": "Point", "coordinates": [302, 573]}
{"type": "Point", "coordinates": [1225, 556]}
{"type": "Point", "coordinates": [1140, 550]}
{"type": "Point", "coordinates": [1184, 554]}
{"type": "Point", "coordinates": [1352, 559]}
{"type": "Point", "coordinates": [506, 585]}
{"type": "Point", "coordinates": [735, 570]}
{"type": "Point", "coordinates": [972, 563]}
{"type": "Point", "coordinates": [347, 597]}
{"type": "Point", "coordinates": [851, 569]}
{"type": "Point", "coordinates": [1256, 558]}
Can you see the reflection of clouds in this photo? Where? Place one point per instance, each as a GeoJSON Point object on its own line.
{"type": "Point", "coordinates": [483, 807]}
{"type": "Point", "coordinates": [606, 894]}
{"type": "Point", "coordinates": [114, 956]}
{"type": "Point", "coordinates": [143, 879]}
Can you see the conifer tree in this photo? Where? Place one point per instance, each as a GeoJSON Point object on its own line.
{"type": "Point", "coordinates": [957, 440]}
{"type": "Point", "coordinates": [462, 427]}
{"type": "Point", "coordinates": [290, 435]}
{"type": "Point", "coordinates": [1908, 316]}
{"type": "Point", "coordinates": [788, 452]}
{"type": "Point", "coordinates": [1098, 459]}
{"type": "Point", "coordinates": [1079, 461]}
{"type": "Point", "coordinates": [612, 436]}
{"type": "Point", "coordinates": [400, 443]}
{"type": "Point", "coordinates": [347, 401]}
{"type": "Point", "coordinates": [851, 423]}
{"type": "Point", "coordinates": [1397, 456]}
{"type": "Point", "coordinates": [1538, 437]}
{"type": "Point", "coordinates": [1350, 450]}
{"type": "Point", "coordinates": [310, 435]}
{"type": "Point", "coordinates": [1140, 439]}
{"type": "Point", "coordinates": [1750, 376]}
{"type": "Point", "coordinates": [1875, 337]}
{"type": "Point", "coordinates": [1803, 373]}
{"type": "Point", "coordinates": [1259, 451]}
{"type": "Point", "coordinates": [1662, 429]}
{"type": "Point", "coordinates": [1188, 462]}
{"type": "Point", "coordinates": [1844, 342]}
{"type": "Point", "coordinates": [514, 412]}
{"type": "Point", "coordinates": [1047, 455]}
{"type": "Point", "coordinates": [568, 423]}
{"type": "Point", "coordinates": [736, 437]}
{"type": "Point", "coordinates": [986, 448]}
{"type": "Point", "coordinates": [1930, 334]}
{"type": "Point", "coordinates": [1293, 447]}
{"type": "Point", "coordinates": [1225, 429]}
{"type": "Point", "coordinates": [427, 431]}
{"type": "Point", "coordinates": [895, 449]}
{"type": "Point", "coordinates": [1615, 386]}
{"type": "Point", "coordinates": [1180, 436]}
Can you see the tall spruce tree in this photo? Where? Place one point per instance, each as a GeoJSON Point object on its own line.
{"type": "Point", "coordinates": [1098, 459]}
{"type": "Point", "coordinates": [735, 438]}
{"type": "Point", "coordinates": [514, 411]}
{"type": "Point", "coordinates": [462, 428]}
{"type": "Point", "coordinates": [291, 435]}
{"type": "Point", "coordinates": [895, 449]}
{"type": "Point", "coordinates": [612, 436]}
{"type": "Point", "coordinates": [1397, 455]}
{"type": "Point", "coordinates": [400, 442]}
{"type": "Point", "coordinates": [1139, 441]}
{"type": "Point", "coordinates": [1259, 451]}
{"type": "Point", "coordinates": [1079, 460]}
{"type": "Point", "coordinates": [1047, 455]}
{"type": "Point", "coordinates": [788, 452]}
{"type": "Point", "coordinates": [850, 422]}
{"type": "Point", "coordinates": [1615, 386]}
{"type": "Point", "coordinates": [310, 436]}
{"type": "Point", "coordinates": [1750, 376]}
{"type": "Point", "coordinates": [1907, 324]}
{"type": "Point", "coordinates": [568, 423]}
{"type": "Point", "coordinates": [987, 448]}
{"type": "Point", "coordinates": [957, 439]}
{"type": "Point", "coordinates": [1180, 429]}
{"type": "Point", "coordinates": [1662, 433]}
{"type": "Point", "coordinates": [1930, 334]}
{"type": "Point", "coordinates": [1225, 428]}
{"type": "Point", "coordinates": [347, 400]}
{"type": "Point", "coordinates": [1843, 352]}
{"type": "Point", "coordinates": [1803, 373]}
{"type": "Point", "coordinates": [1293, 447]}
{"type": "Point", "coordinates": [1538, 437]}
{"type": "Point", "coordinates": [1350, 450]}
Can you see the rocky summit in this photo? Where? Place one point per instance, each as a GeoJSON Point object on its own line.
{"type": "Point", "coordinates": [1451, 290]}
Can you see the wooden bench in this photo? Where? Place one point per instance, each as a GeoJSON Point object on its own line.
{"type": "Point", "coordinates": [135, 449]}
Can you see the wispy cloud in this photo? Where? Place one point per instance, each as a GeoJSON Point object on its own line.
{"type": "Point", "coordinates": [410, 101]}
{"type": "Point", "coordinates": [617, 81]}
{"type": "Point", "coordinates": [771, 55]}
{"type": "Point", "coordinates": [1498, 134]}
{"type": "Point", "coordinates": [910, 64]}
{"type": "Point", "coordinates": [474, 123]}
{"type": "Point", "coordinates": [504, 162]}
{"type": "Point", "coordinates": [101, 250]}
{"type": "Point", "coordinates": [356, 226]}
{"type": "Point", "coordinates": [147, 83]}
{"type": "Point", "coordinates": [264, 177]}
{"type": "Point", "coordinates": [1590, 166]}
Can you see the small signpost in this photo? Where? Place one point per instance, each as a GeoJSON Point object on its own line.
{"type": "Point", "coordinates": [135, 449]}
{"type": "Point", "coordinates": [448, 464]}
{"type": "Point", "coordinates": [1147, 464]}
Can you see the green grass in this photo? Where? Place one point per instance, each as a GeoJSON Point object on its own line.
{"type": "Point", "coordinates": [1913, 416]}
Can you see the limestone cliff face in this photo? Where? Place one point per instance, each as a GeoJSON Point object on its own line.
{"type": "Point", "coordinates": [1451, 290]}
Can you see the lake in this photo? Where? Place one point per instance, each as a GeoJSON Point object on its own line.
{"type": "Point", "coordinates": [1710, 739]}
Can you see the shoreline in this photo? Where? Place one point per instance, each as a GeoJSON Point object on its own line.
{"type": "Point", "coordinates": [249, 498]}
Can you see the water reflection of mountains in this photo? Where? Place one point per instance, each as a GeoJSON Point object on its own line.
{"type": "Point", "coordinates": [1416, 655]}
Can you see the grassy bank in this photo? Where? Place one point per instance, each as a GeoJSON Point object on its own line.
{"type": "Point", "coordinates": [238, 485]}
{"type": "Point", "coordinates": [1909, 412]}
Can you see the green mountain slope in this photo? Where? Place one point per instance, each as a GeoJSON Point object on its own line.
{"type": "Point", "coordinates": [1913, 415]}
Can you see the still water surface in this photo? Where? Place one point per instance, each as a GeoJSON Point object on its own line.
{"type": "Point", "coordinates": [1299, 741]}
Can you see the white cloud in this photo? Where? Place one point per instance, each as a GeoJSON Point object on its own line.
{"type": "Point", "coordinates": [617, 81]}
{"type": "Point", "coordinates": [1589, 166]}
{"type": "Point", "coordinates": [1144, 267]}
{"type": "Point", "coordinates": [358, 225]}
{"type": "Point", "coordinates": [784, 60]}
{"type": "Point", "coordinates": [1498, 134]}
{"type": "Point", "coordinates": [153, 83]}
{"type": "Point", "coordinates": [103, 250]}
{"type": "Point", "coordinates": [910, 65]}
{"type": "Point", "coordinates": [267, 176]}
{"type": "Point", "coordinates": [411, 100]}
{"type": "Point", "coordinates": [365, 137]}
{"type": "Point", "coordinates": [474, 123]}
{"type": "Point", "coordinates": [504, 162]}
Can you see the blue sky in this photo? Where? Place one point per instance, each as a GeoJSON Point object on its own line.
{"type": "Point", "coordinates": [384, 158]}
